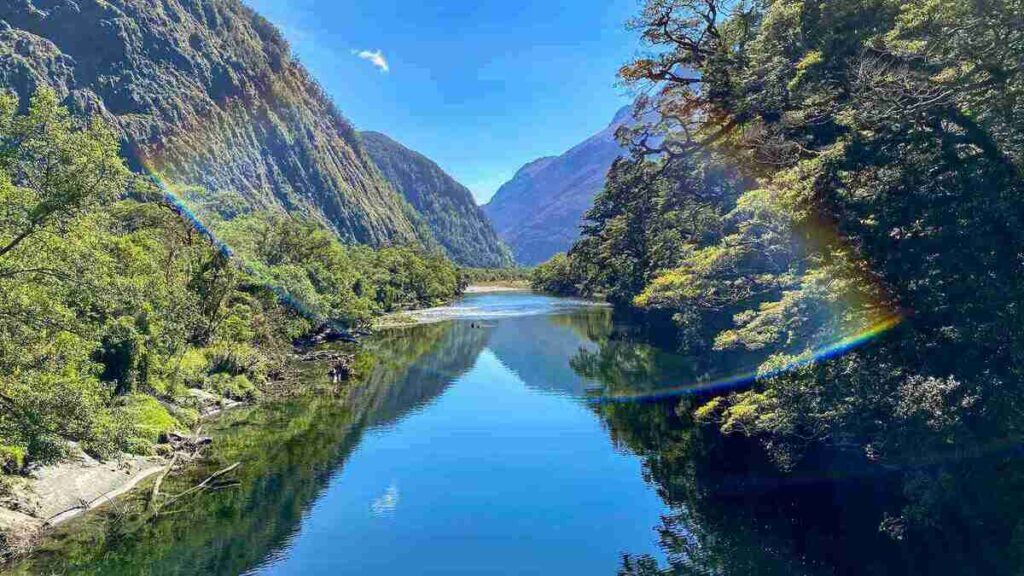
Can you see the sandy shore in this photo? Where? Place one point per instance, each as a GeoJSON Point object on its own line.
{"type": "Point", "coordinates": [54, 494]}
{"type": "Point", "coordinates": [488, 288]}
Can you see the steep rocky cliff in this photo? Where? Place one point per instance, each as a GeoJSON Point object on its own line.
{"type": "Point", "coordinates": [206, 92]}
{"type": "Point", "coordinates": [538, 212]}
{"type": "Point", "coordinates": [455, 220]}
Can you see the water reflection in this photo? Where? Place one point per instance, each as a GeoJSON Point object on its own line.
{"type": "Point", "coordinates": [482, 445]}
{"type": "Point", "coordinates": [443, 458]}
{"type": "Point", "coordinates": [413, 366]}
{"type": "Point", "coordinates": [289, 451]}
{"type": "Point", "coordinates": [507, 471]}
{"type": "Point", "coordinates": [734, 512]}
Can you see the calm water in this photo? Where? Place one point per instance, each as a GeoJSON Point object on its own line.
{"type": "Point", "coordinates": [479, 444]}
{"type": "Point", "coordinates": [499, 468]}
{"type": "Point", "coordinates": [469, 448]}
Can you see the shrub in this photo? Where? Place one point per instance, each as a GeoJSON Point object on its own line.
{"type": "Point", "coordinates": [141, 420]}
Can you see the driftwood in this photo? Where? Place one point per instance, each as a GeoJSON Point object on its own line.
{"type": "Point", "coordinates": [325, 356]}
{"type": "Point", "coordinates": [205, 484]}
{"type": "Point", "coordinates": [187, 448]}
{"type": "Point", "coordinates": [180, 441]}
{"type": "Point", "coordinates": [155, 493]}
{"type": "Point", "coordinates": [339, 363]}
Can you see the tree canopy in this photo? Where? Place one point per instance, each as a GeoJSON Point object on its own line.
{"type": "Point", "coordinates": [820, 174]}
{"type": "Point", "coordinates": [115, 308]}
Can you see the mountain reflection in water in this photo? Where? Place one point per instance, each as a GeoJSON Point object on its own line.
{"type": "Point", "coordinates": [474, 445]}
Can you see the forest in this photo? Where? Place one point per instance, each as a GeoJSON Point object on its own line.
{"type": "Point", "coordinates": [118, 303]}
{"type": "Point", "coordinates": [818, 214]}
{"type": "Point", "coordinates": [821, 174]}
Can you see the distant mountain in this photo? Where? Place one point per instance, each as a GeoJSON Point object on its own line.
{"type": "Point", "coordinates": [455, 220]}
{"type": "Point", "coordinates": [207, 93]}
{"type": "Point", "coordinates": [538, 212]}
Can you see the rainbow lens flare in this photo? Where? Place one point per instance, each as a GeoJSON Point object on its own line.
{"type": "Point", "coordinates": [181, 208]}
{"type": "Point", "coordinates": [744, 379]}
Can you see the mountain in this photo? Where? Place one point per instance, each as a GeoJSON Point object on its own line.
{"type": "Point", "coordinates": [455, 220]}
{"type": "Point", "coordinates": [538, 212]}
{"type": "Point", "coordinates": [206, 93]}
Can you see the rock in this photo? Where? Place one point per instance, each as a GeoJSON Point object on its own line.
{"type": "Point", "coordinates": [19, 533]}
{"type": "Point", "coordinates": [180, 441]}
{"type": "Point", "coordinates": [62, 490]}
{"type": "Point", "coordinates": [208, 403]}
{"type": "Point", "coordinates": [326, 334]}
{"type": "Point", "coordinates": [340, 371]}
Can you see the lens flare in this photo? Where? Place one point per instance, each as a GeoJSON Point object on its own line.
{"type": "Point", "coordinates": [853, 307]}
{"type": "Point", "coordinates": [744, 379]}
{"type": "Point", "coordinates": [182, 209]}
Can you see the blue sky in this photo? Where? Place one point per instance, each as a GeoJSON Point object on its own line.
{"type": "Point", "coordinates": [481, 87]}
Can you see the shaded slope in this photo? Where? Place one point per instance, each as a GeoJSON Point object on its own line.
{"type": "Point", "coordinates": [455, 220]}
{"type": "Point", "coordinates": [207, 93]}
{"type": "Point", "coordinates": [538, 212]}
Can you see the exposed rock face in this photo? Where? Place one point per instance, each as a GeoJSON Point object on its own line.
{"type": "Point", "coordinates": [538, 212]}
{"type": "Point", "coordinates": [455, 220]}
{"type": "Point", "coordinates": [207, 93]}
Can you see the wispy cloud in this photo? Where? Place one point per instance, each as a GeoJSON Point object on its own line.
{"type": "Point", "coordinates": [375, 57]}
{"type": "Point", "coordinates": [386, 503]}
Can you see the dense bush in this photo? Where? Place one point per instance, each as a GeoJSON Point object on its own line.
{"type": "Point", "coordinates": [330, 280]}
{"type": "Point", "coordinates": [556, 276]}
{"type": "Point", "coordinates": [113, 304]}
{"type": "Point", "coordinates": [483, 275]}
{"type": "Point", "coordinates": [820, 173]}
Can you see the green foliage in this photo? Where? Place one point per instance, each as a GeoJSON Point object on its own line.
{"type": "Point", "coordinates": [144, 420]}
{"type": "Point", "coordinates": [51, 171]}
{"type": "Point", "coordinates": [816, 171]}
{"type": "Point", "coordinates": [334, 281]}
{"type": "Point", "coordinates": [556, 276]}
{"type": "Point", "coordinates": [12, 458]}
{"type": "Point", "coordinates": [494, 275]}
{"type": "Point", "coordinates": [236, 387]}
{"type": "Point", "coordinates": [112, 305]}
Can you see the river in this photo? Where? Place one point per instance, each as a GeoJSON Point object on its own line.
{"type": "Point", "coordinates": [486, 442]}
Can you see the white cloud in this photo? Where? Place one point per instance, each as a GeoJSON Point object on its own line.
{"type": "Point", "coordinates": [385, 504]}
{"type": "Point", "coordinates": [374, 57]}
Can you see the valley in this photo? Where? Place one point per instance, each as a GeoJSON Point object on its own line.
{"type": "Point", "coordinates": [676, 287]}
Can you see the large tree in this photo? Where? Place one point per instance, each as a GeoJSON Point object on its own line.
{"type": "Point", "coordinates": [858, 168]}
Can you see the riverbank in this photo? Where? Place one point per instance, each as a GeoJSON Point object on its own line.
{"type": "Point", "coordinates": [264, 517]}
{"type": "Point", "coordinates": [33, 504]}
{"type": "Point", "coordinates": [496, 287]}
{"type": "Point", "coordinates": [408, 318]}
{"type": "Point", "coordinates": [52, 495]}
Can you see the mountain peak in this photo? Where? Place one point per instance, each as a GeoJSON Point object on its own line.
{"type": "Point", "coordinates": [537, 213]}
{"type": "Point", "coordinates": [623, 116]}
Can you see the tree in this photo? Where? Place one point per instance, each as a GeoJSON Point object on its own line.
{"type": "Point", "coordinates": [874, 170]}
{"type": "Point", "coordinates": [50, 171]}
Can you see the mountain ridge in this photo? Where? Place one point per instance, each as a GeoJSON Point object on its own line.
{"type": "Point", "coordinates": [206, 94]}
{"type": "Point", "coordinates": [455, 220]}
{"type": "Point", "coordinates": [537, 213]}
